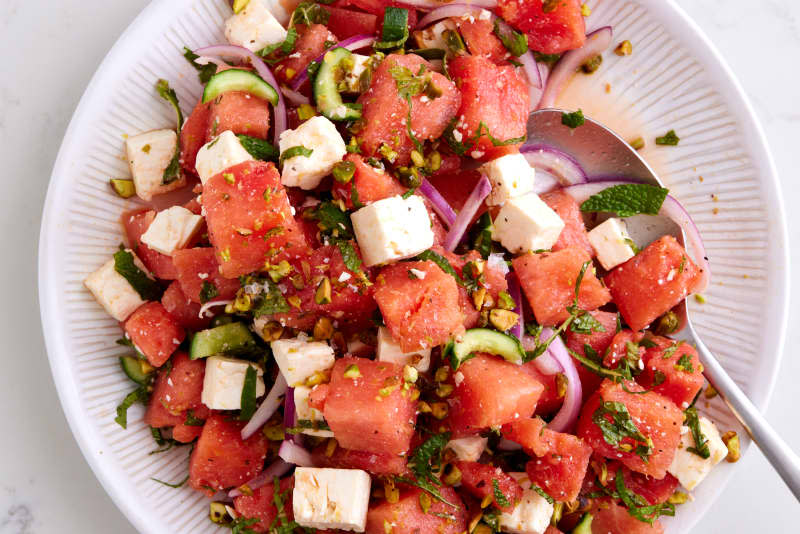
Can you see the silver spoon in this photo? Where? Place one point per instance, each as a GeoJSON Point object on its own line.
{"type": "Point", "coordinates": [602, 153]}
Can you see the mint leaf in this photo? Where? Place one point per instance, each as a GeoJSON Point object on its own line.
{"type": "Point", "coordinates": [207, 292]}
{"type": "Point", "coordinates": [258, 148]}
{"type": "Point", "coordinates": [349, 255]}
{"type": "Point", "coordinates": [499, 496]}
{"type": "Point", "coordinates": [574, 119]}
{"type": "Point", "coordinates": [173, 170]}
{"type": "Point", "coordinates": [175, 485]}
{"type": "Point", "coordinates": [249, 394]}
{"type": "Point", "coordinates": [204, 72]}
{"type": "Point", "coordinates": [669, 139]}
{"type": "Point", "coordinates": [271, 300]}
{"type": "Point", "coordinates": [137, 395]}
{"type": "Point", "coordinates": [147, 288]}
{"type": "Point", "coordinates": [295, 151]}
{"type": "Point", "coordinates": [621, 427]}
{"type": "Point", "coordinates": [331, 220]}
{"type": "Point", "coordinates": [627, 200]}
{"type": "Point", "coordinates": [692, 420]}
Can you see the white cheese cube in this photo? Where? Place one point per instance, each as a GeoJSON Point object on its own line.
{"type": "Point", "coordinates": [531, 515]}
{"type": "Point", "coordinates": [172, 229]}
{"type": "Point", "coordinates": [392, 229]}
{"type": "Point", "coordinates": [432, 37]}
{"type": "Point", "coordinates": [611, 242]}
{"type": "Point", "coordinates": [511, 176]}
{"type": "Point", "coordinates": [113, 292]}
{"type": "Point", "coordinates": [255, 27]}
{"type": "Point", "coordinates": [331, 498]}
{"type": "Point", "coordinates": [222, 152]}
{"type": "Point", "coordinates": [468, 449]}
{"type": "Point", "coordinates": [389, 350]}
{"type": "Point", "coordinates": [224, 381]}
{"type": "Point", "coordinates": [149, 154]}
{"type": "Point", "coordinates": [526, 223]}
{"type": "Point", "coordinates": [352, 77]}
{"type": "Point", "coordinates": [689, 468]}
{"type": "Point", "coordinates": [319, 135]}
{"type": "Point", "coordinates": [306, 415]}
{"type": "Point", "coordinates": [299, 358]}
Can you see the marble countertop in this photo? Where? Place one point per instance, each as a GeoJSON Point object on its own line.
{"type": "Point", "coordinates": [52, 48]}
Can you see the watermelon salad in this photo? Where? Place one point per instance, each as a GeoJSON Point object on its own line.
{"type": "Point", "coordinates": [367, 304]}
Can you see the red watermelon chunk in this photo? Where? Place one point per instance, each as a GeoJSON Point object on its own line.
{"type": "Point", "coordinates": [240, 112]}
{"type": "Point", "coordinates": [654, 415]}
{"type": "Point", "coordinates": [175, 392]}
{"type": "Point", "coordinates": [370, 184]}
{"type": "Point", "coordinates": [135, 224]}
{"type": "Point", "coordinates": [406, 516]}
{"type": "Point", "coordinates": [574, 233]}
{"type": "Point", "coordinates": [183, 309]}
{"type": "Point", "coordinates": [419, 312]}
{"type": "Point", "coordinates": [653, 282]}
{"type": "Point", "coordinates": [261, 504]}
{"type": "Point", "coordinates": [346, 23]}
{"type": "Point", "coordinates": [249, 218]}
{"type": "Point", "coordinates": [673, 369]}
{"type": "Point", "coordinates": [493, 98]}
{"type": "Point", "coordinates": [598, 341]}
{"type": "Point", "coordinates": [372, 411]}
{"type": "Point", "coordinates": [480, 39]}
{"type": "Point", "coordinates": [193, 136]}
{"type": "Point", "coordinates": [385, 113]}
{"type": "Point", "coordinates": [548, 280]}
{"type": "Point", "coordinates": [374, 463]}
{"type": "Point", "coordinates": [198, 266]}
{"type": "Point", "coordinates": [550, 401]}
{"type": "Point", "coordinates": [310, 45]}
{"type": "Point", "coordinates": [549, 33]}
{"type": "Point", "coordinates": [490, 393]}
{"type": "Point", "coordinates": [609, 517]}
{"type": "Point", "coordinates": [480, 481]}
{"type": "Point", "coordinates": [154, 332]}
{"type": "Point", "coordinates": [624, 345]}
{"type": "Point", "coordinates": [655, 491]}
{"type": "Point", "coordinates": [221, 459]}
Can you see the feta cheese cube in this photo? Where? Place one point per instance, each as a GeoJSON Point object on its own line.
{"type": "Point", "coordinates": [352, 77]}
{"type": "Point", "coordinates": [468, 449]}
{"type": "Point", "coordinates": [255, 27]}
{"type": "Point", "coordinates": [113, 292]}
{"type": "Point", "coordinates": [689, 468]}
{"type": "Point", "coordinates": [389, 351]}
{"type": "Point", "coordinates": [224, 381]}
{"type": "Point", "coordinates": [319, 135]}
{"type": "Point", "coordinates": [611, 242]}
{"type": "Point", "coordinates": [392, 229]}
{"type": "Point", "coordinates": [222, 152]}
{"type": "Point", "coordinates": [511, 176]}
{"type": "Point", "coordinates": [526, 223]}
{"type": "Point", "coordinates": [331, 498]}
{"type": "Point", "coordinates": [172, 229]}
{"type": "Point", "coordinates": [433, 36]}
{"type": "Point", "coordinates": [299, 358]}
{"type": "Point", "coordinates": [149, 154]}
{"type": "Point", "coordinates": [531, 515]}
{"type": "Point", "coordinates": [308, 416]}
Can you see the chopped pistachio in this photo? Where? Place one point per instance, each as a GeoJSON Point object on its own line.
{"type": "Point", "coordinates": [558, 512]}
{"type": "Point", "coordinates": [306, 111]}
{"type": "Point", "coordinates": [425, 501]}
{"type": "Point", "coordinates": [710, 392]}
{"type": "Point", "coordinates": [295, 301]}
{"type": "Point", "coordinates": [625, 48]}
{"type": "Point", "coordinates": [123, 188]}
{"type": "Point", "coordinates": [424, 407]}
{"type": "Point", "coordinates": [218, 514]}
{"type": "Point", "coordinates": [410, 374]}
{"type": "Point", "coordinates": [478, 296]}
{"type": "Point", "coordinates": [390, 491]}
{"type": "Point", "coordinates": [561, 385]}
{"type": "Point", "coordinates": [274, 432]}
{"type": "Point", "coordinates": [280, 271]}
{"type": "Point", "coordinates": [482, 529]}
{"type": "Point", "coordinates": [585, 10]}
{"type": "Point", "coordinates": [505, 302]}
{"type": "Point", "coordinates": [731, 440]}
{"type": "Point", "coordinates": [417, 158]}
{"type": "Point", "coordinates": [592, 64]}
{"type": "Point", "coordinates": [441, 374]}
{"type": "Point", "coordinates": [503, 319]}
{"type": "Point", "coordinates": [638, 143]}
{"type": "Point", "coordinates": [445, 390]}
{"type": "Point", "coordinates": [487, 501]}
{"type": "Point", "coordinates": [352, 371]}
{"type": "Point", "coordinates": [323, 329]}
{"type": "Point", "coordinates": [243, 302]}
{"type": "Point", "coordinates": [451, 475]}
{"type": "Point", "coordinates": [434, 161]}
{"type": "Point", "coordinates": [330, 447]}
{"type": "Point", "coordinates": [319, 377]}
{"type": "Point", "coordinates": [700, 298]}
{"type": "Point", "coordinates": [678, 497]}
{"type": "Point", "coordinates": [344, 171]}
{"type": "Point", "coordinates": [272, 331]}
{"type": "Point", "coordinates": [667, 324]}
{"type": "Point", "coordinates": [323, 293]}
{"type": "Point", "coordinates": [439, 410]}
{"type": "Point", "coordinates": [409, 176]}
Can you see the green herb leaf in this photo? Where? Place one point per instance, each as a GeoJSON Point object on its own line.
{"type": "Point", "coordinates": [638, 506]}
{"type": "Point", "coordinates": [175, 485]}
{"type": "Point", "coordinates": [191, 420]}
{"type": "Point", "coordinates": [482, 240]}
{"type": "Point", "coordinates": [692, 420]}
{"type": "Point", "coordinates": [543, 494]}
{"type": "Point", "coordinates": [140, 394]}
{"type": "Point", "coordinates": [351, 259]}
{"type": "Point", "coordinates": [685, 364]}
{"type": "Point", "coordinates": [627, 200]}
{"type": "Point", "coordinates": [286, 47]}
{"type": "Point", "coordinates": [249, 394]}
{"type": "Point", "coordinates": [444, 264]}
{"type": "Point", "coordinates": [270, 301]}
{"type": "Point", "coordinates": [308, 14]}
{"type": "Point", "coordinates": [147, 288]}
{"type": "Point", "coordinates": [499, 498]}
{"type": "Point", "coordinates": [574, 119]}
{"type": "Point", "coordinates": [293, 152]}
{"type": "Point", "coordinates": [204, 72]}
{"type": "Point", "coordinates": [466, 145]}
{"type": "Point", "coordinates": [585, 323]}
{"type": "Point", "coordinates": [173, 170]}
{"type": "Point", "coordinates": [208, 291]}
{"type": "Point", "coordinates": [258, 148]}
{"type": "Point", "coordinates": [427, 458]}
{"type": "Point", "coordinates": [515, 42]}
{"type": "Point", "coordinates": [620, 428]}
{"type": "Point", "coordinates": [669, 351]}
{"type": "Point", "coordinates": [332, 221]}
{"type": "Point", "coordinates": [354, 196]}
{"type": "Point", "coordinates": [669, 139]}
{"type": "Point", "coordinates": [242, 524]}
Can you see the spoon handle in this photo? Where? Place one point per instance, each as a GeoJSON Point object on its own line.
{"type": "Point", "coordinates": [782, 458]}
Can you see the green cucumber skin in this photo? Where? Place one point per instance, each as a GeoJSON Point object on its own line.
{"type": "Point", "coordinates": [585, 525]}
{"type": "Point", "coordinates": [239, 80]}
{"type": "Point", "coordinates": [326, 95]}
{"type": "Point", "coordinates": [484, 340]}
{"type": "Point", "coordinates": [229, 338]}
{"type": "Point", "coordinates": [133, 369]}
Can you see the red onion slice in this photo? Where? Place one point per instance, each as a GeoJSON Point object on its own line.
{"type": "Point", "coordinates": [672, 209]}
{"type": "Point", "coordinates": [278, 468]}
{"type": "Point", "coordinates": [450, 10]}
{"type": "Point", "coordinates": [296, 99]}
{"type": "Point", "coordinates": [203, 313]}
{"type": "Point", "coordinates": [596, 43]}
{"type": "Point", "coordinates": [471, 207]}
{"type": "Point", "coordinates": [440, 205]}
{"type": "Point", "coordinates": [554, 161]}
{"type": "Point", "coordinates": [545, 363]}
{"type": "Point", "coordinates": [545, 182]}
{"type": "Point", "coordinates": [568, 414]}
{"type": "Point", "coordinates": [516, 294]}
{"type": "Point", "coordinates": [295, 454]}
{"type": "Point", "coordinates": [268, 407]}
{"type": "Point", "coordinates": [281, 119]}
{"type": "Point", "coordinates": [354, 43]}
{"type": "Point", "coordinates": [508, 445]}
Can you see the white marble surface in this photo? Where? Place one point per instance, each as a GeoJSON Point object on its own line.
{"type": "Point", "coordinates": [50, 50]}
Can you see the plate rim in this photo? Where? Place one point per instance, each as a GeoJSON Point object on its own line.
{"type": "Point", "coordinates": [105, 468]}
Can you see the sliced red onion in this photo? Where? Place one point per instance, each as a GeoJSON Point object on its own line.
{"type": "Point", "coordinates": [556, 162]}
{"type": "Point", "coordinates": [268, 407]}
{"type": "Point", "coordinates": [281, 119]}
{"type": "Point", "coordinates": [568, 414]}
{"type": "Point", "coordinates": [508, 445]}
{"type": "Point", "coordinates": [424, 5]}
{"type": "Point", "coordinates": [203, 313]}
{"type": "Point", "coordinates": [516, 294]}
{"type": "Point", "coordinates": [545, 182]}
{"type": "Point", "coordinates": [290, 416]}
{"type": "Point", "coordinates": [278, 468]}
{"type": "Point", "coordinates": [450, 10]}
{"type": "Point", "coordinates": [545, 363]}
{"type": "Point", "coordinates": [205, 60]}
{"type": "Point", "coordinates": [440, 205]}
{"type": "Point", "coordinates": [354, 43]}
{"type": "Point", "coordinates": [596, 43]}
{"type": "Point", "coordinates": [296, 99]}
{"type": "Point", "coordinates": [295, 454]}
{"type": "Point", "coordinates": [471, 207]}
{"type": "Point", "coordinates": [672, 209]}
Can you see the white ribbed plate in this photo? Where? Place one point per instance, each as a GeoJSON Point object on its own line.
{"type": "Point", "coordinates": [674, 79]}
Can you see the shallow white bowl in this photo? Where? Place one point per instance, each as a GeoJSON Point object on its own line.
{"type": "Point", "coordinates": [674, 79]}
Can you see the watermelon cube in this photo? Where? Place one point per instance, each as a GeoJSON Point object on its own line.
{"type": "Point", "coordinates": [375, 463]}
{"type": "Point", "coordinates": [614, 518]}
{"type": "Point", "coordinates": [673, 369]}
{"type": "Point", "coordinates": [240, 112]}
{"type": "Point", "coordinates": [550, 401]}
{"type": "Point", "coordinates": [135, 223]}
{"type": "Point", "coordinates": [310, 45]}
{"type": "Point", "coordinates": [407, 517]}
{"type": "Point", "coordinates": [261, 504]}
{"type": "Point", "coordinates": [481, 40]}
{"type": "Point", "coordinates": [653, 282]}
{"type": "Point", "coordinates": [480, 480]}
{"type": "Point", "coordinates": [598, 342]}
{"type": "Point", "coordinates": [551, 32]}
{"type": "Point", "coordinates": [185, 311]}
{"type": "Point", "coordinates": [574, 233]}
{"type": "Point", "coordinates": [175, 392]}
{"type": "Point", "coordinates": [199, 274]}
{"type": "Point", "coordinates": [154, 332]}
{"type": "Point", "coordinates": [193, 136]}
{"type": "Point", "coordinates": [369, 184]}
{"type": "Point", "coordinates": [346, 23]}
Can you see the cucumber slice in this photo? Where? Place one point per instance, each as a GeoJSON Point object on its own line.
{"type": "Point", "coordinates": [484, 340]}
{"type": "Point", "coordinates": [137, 370]}
{"type": "Point", "coordinates": [239, 80]}
{"type": "Point", "coordinates": [232, 338]}
{"type": "Point", "coordinates": [584, 526]}
{"type": "Point", "coordinates": [220, 320]}
{"type": "Point", "coordinates": [326, 91]}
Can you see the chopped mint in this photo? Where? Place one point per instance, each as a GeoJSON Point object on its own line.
{"type": "Point", "coordinates": [669, 139]}
{"type": "Point", "coordinates": [627, 200]}
{"type": "Point", "coordinates": [574, 119]}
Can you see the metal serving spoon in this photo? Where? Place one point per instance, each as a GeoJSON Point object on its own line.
{"type": "Point", "coordinates": [602, 153]}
